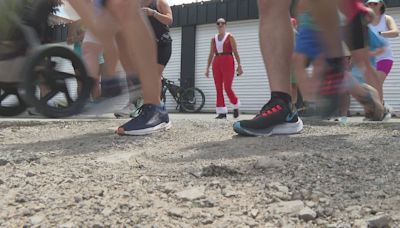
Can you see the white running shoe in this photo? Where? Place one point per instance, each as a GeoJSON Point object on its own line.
{"type": "Point", "coordinates": [126, 111]}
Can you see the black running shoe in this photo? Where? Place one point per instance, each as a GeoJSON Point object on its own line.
{"type": "Point", "coordinates": [221, 116]}
{"type": "Point", "coordinates": [235, 113]}
{"type": "Point", "coordinates": [276, 117]}
{"type": "Point", "coordinates": [152, 118]}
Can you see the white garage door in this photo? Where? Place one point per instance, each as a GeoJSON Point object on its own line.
{"type": "Point", "coordinates": [252, 87]}
{"type": "Point", "coordinates": [173, 69]}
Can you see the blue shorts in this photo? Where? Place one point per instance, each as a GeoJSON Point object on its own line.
{"type": "Point", "coordinates": [308, 43]}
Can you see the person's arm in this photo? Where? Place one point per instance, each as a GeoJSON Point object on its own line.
{"type": "Point", "coordinates": [377, 51]}
{"type": "Point", "coordinates": [210, 59]}
{"type": "Point", "coordinates": [164, 14]}
{"type": "Point", "coordinates": [393, 30]}
{"type": "Point", "coordinates": [236, 54]}
{"type": "Point", "coordinates": [74, 32]}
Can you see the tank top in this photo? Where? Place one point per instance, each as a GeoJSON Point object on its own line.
{"type": "Point", "coordinates": [222, 46]}
{"type": "Point", "coordinates": [382, 27]}
{"type": "Point", "coordinates": [159, 28]}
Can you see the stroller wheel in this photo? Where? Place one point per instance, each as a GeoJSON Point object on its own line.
{"type": "Point", "coordinates": [56, 82]}
{"type": "Point", "coordinates": [11, 103]}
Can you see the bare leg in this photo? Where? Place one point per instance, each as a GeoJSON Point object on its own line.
{"type": "Point", "coordinates": [111, 56]}
{"type": "Point", "coordinates": [293, 93]}
{"type": "Point", "coordinates": [381, 80]}
{"type": "Point", "coordinates": [369, 98]}
{"type": "Point", "coordinates": [345, 104]}
{"type": "Point", "coordinates": [133, 27]}
{"type": "Point", "coordinates": [91, 53]}
{"type": "Point", "coordinates": [276, 43]}
{"type": "Point", "coordinates": [160, 69]}
{"type": "Point", "coordinates": [326, 16]}
{"type": "Point", "coordinates": [276, 40]}
{"type": "Point", "coordinates": [306, 84]}
{"type": "Point", "coordinates": [141, 46]}
{"type": "Point", "coordinates": [361, 59]}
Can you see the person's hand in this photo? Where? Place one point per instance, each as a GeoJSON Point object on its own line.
{"type": "Point", "coordinates": [239, 70]}
{"type": "Point", "coordinates": [148, 12]}
{"type": "Point", "coordinates": [369, 16]}
{"type": "Point", "coordinates": [207, 73]}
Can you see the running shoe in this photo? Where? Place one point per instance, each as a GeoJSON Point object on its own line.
{"type": "Point", "coordinates": [275, 118]}
{"type": "Point", "coordinates": [235, 113]}
{"type": "Point", "coordinates": [152, 118]}
{"type": "Point", "coordinates": [126, 111]}
{"type": "Point", "coordinates": [388, 111]}
{"type": "Point", "coordinates": [373, 107]}
{"type": "Point", "coordinates": [221, 117]}
{"type": "Point", "coordinates": [33, 111]}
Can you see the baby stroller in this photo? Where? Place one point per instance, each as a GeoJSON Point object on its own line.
{"type": "Point", "coordinates": [34, 72]}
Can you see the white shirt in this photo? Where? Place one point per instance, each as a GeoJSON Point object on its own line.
{"type": "Point", "coordinates": [382, 27]}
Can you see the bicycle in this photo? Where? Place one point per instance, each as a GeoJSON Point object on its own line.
{"type": "Point", "coordinates": [187, 99]}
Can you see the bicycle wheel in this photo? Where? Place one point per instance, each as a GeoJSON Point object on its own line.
{"type": "Point", "coordinates": [56, 82]}
{"type": "Point", "coordinates": [192, 100]}
{"type": "Point", "coordinates": [11, 103]}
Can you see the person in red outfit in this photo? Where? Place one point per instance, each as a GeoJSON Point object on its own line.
{"type": "Point", "coordinates": [223, 47]}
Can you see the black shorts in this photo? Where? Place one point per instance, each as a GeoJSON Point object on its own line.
{"type": "Point", "coordinates": [356, 33]}
{"type": "Point", "coordinates": [164, 52]}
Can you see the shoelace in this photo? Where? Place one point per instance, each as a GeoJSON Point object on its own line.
{"type": "Point", "coordinates": [142, 110]}
{"type": "Point", "coordinates": [269, 109]}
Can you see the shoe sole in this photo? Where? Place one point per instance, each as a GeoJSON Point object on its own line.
{"type": "Point", "coordinates": [147, 131]}
{"type": "Point", "coordinates": [281, 129]}
{"type": "Point", "coordinates": [119, 115]}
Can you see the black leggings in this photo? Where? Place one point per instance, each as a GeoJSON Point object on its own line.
{"type": "Point", "coordinates": [164, 52]}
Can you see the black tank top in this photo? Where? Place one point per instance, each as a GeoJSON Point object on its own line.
{"type": "Point", "coordinates": [159, 28]}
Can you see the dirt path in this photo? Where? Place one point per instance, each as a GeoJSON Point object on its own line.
{"type": "Point", "coordinates": [79, 174]}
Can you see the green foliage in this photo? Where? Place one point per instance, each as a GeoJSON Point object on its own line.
{"type": "Point", "coordinates": [24, 10]}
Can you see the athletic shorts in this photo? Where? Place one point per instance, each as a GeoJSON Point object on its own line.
{"type": "Point", "coordinates": [308, 43]}
{"type": "Point", "coordinates": [164, 52]}
{"type": "Point", "coordinates": [356, 33]}
{"type": "Point", "coordinates": [385, 66]}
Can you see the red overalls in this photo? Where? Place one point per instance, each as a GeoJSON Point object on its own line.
{"type": "Point", "coordinates": [224, 71]}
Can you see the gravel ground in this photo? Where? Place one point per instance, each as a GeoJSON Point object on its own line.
{"type": "Point", "coordinates": [199, 173]}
